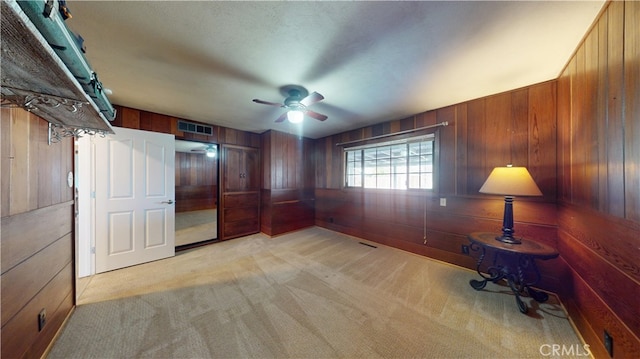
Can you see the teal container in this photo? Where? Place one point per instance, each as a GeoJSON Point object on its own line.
{"type": "Point", "coordinates": [67, 46]}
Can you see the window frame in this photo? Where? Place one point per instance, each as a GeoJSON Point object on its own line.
{"type": "Point", "coordinates": [430, 136]}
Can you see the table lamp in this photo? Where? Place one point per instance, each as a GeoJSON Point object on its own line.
{"type": "Point", "coordinates": [510, 181]}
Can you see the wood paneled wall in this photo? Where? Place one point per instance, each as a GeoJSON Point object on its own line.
{"type": "Point", "coordinates": [579, 136]}
{"type": "Point", "coordinates": [599, 180]}
{"type": "Point", "coordinates": [37, 234]}
{"type": "Point", "coordinates": [196, 182]}
{"type": "Point", "coordinates": [287, 196]}
{"type": "Point", "coordinates": [516, 127]}
{"type": "Point", "coordinates": [149, 121]}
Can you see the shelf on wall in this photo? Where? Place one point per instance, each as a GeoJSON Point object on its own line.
{"type": "Point", "coordinates": [34, 77]}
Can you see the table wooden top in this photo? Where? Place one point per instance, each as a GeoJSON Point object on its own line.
{"type": "Point", "coordinates": [527, 247]}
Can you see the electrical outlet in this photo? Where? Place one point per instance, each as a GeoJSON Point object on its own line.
{"type": "Point", "coordinates": [608, 343]}
{"type": "Point", "coordinates": [465, 249]}
{"type": "Point", "coordinates": [443, 202]}
{"type": "Point", "coordinates": [42, 319]}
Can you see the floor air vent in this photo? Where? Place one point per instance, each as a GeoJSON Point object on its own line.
{"type": "Point", "coordinates": [368, 245]}
{"type": "Point", "coordinates": [185, 126]}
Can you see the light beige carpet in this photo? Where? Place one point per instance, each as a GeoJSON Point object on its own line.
{"type": "Point", "coordinates": [308, 294]}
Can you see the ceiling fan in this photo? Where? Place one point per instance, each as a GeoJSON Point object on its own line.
{"type": "Point", "coordinates": [296, 103]}
{"type": "Point", "coordinates": [209, 150]}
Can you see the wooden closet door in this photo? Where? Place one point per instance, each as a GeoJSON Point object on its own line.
{"type": "Point", "coordinates": [251, 170]}
{"type": "Point", "coordinates": [233, 167]}
{"type": "Point", "coordinates": [240, 195]}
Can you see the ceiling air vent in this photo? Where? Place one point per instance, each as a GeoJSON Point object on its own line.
{"type": "Point", "coordinates": [185, 126]}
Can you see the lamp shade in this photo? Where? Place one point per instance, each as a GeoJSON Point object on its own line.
{"type": "Point", "coordinates": [510, 181]}
{"type": "Point", "coordinates": [295, 116]}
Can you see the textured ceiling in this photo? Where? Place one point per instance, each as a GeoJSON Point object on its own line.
{"type": "Point", "coordinates": [372, 61]}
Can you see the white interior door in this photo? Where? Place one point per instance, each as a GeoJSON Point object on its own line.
{"type": "Point", "coordinates": [134, 196]}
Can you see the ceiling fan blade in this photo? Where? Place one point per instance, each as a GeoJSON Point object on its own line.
{"type": "Point", "coordinates": [282, 117]}
{"type": "Point", "coordinates": [311, 99]}
{"type": "Point", "coordinates": [317, 116]}
{"type": "Point", "coordinates": [267, 103]}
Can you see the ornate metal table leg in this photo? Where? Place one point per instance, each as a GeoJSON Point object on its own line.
{"type": "Point", "coordinates": [517, 284]}
{"type": "Point", "coordinates": [494, 271]}
{"type": "Point", "coordinates": [516, 291]}
{"type": "Point", "coordinates": [538, 296]}
{"type": "Point", "coordinates": [521, 305]}
{"type": "Point", "coordinates": [478, 284]}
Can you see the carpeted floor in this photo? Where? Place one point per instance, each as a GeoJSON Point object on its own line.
{"type": "Point", "coordinates": [308, 294]}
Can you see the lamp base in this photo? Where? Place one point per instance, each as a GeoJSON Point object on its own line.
{"type": "Point", "coordinates": [508, 240]}
{"type": "Point", "coordinates": [507, 223]}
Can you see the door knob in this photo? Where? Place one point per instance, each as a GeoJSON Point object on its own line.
{"type": "Point", "coordinates": [168, 202]}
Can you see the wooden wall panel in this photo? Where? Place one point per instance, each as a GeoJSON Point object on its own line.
{"type": "Point", "coordinates": [476, 168]}
{"type": "Point", "coordinates": [613, 54]}
{"type": "Point", "coordinates": [266, 160]}
{"type": "Point", "coordinates": [462, 155]}
{"type": "Point", "coordinates": [631, 113]}
{"type": "Point", "coordinates": [37, 232]}
{"type": "Point", "coordinates": [23, 282]}
{"type": "Point", "coordinates": [288, 180]}
{"type": "Point", "coordinates": [618, 274]}
{"type": "Point", "coordinates": [149, 121]}
{"type": "Point", "coordinates": [20, 334]}
{"type": "Point", "coordinates": [578, 187]}
{"type": "Point", "coordinates": [155, 122]}
{"type": "Point", "coordinates": [563, 138]}
{"type": "Point", "coordinates": [598, 318]}
{"type": "Point", "coordinates": [5, 161]}
{"type": "Point", "coordinates": [599, 157]}
{"type": "Point", "coordinates": [446, 159]}
{"type": "Point", "coordinates": [601, 111]}
{"type": "Point", "coordinates": [520, 133]}
{"type": "Point", "coordinates": [542, 141]}
{"type": "Point", "coordinates": [22, 234]}
{"type": "Point", "coordinates": [288, 216]}
{"type": "Point", "coordinates": [498, 128]}
{"type": "Point", "coordinates": [34, 173]}
{"type": "Point", "coordinates": [590, 128]}
{"type": "Point", "coordinates": [127, 117]}
{"type": "Point", "coordinates": [19, 194]}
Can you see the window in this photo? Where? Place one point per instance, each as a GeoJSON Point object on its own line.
{"type": "Point", "coordinates": [391, 165]}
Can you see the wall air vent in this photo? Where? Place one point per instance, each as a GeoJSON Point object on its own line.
{"type": "Point", "coordinates": [185, 126]}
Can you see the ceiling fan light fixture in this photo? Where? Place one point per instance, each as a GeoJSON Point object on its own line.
{"type": "Point", "coordinates": [295, 116]}
{"type": "Point", "coordinates": [297, 104]}
{"type": "Point", "coordinates": [211, 152]}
